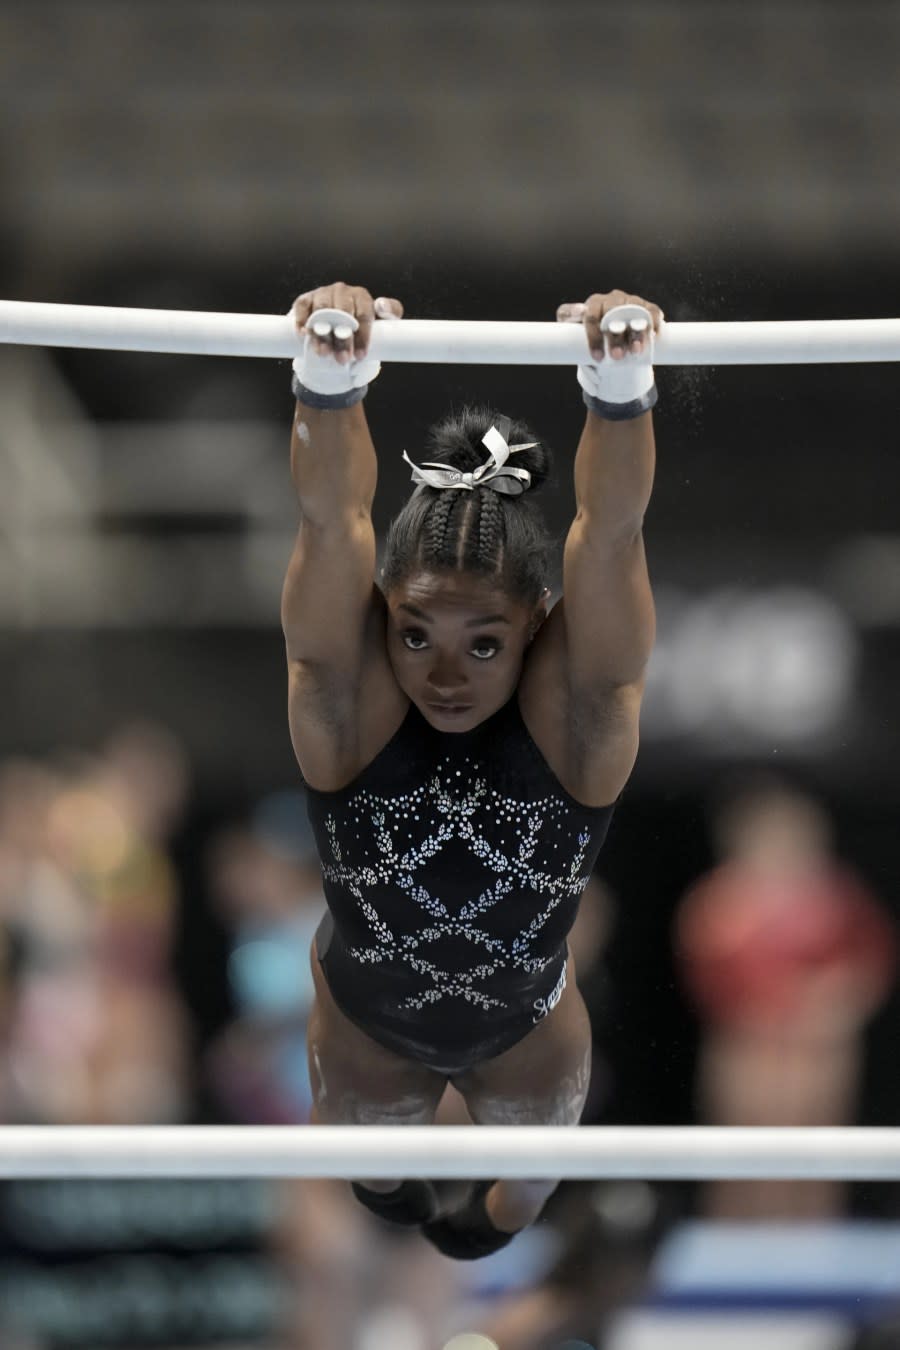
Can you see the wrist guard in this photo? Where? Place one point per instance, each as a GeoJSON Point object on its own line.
{"type": "Point", "coordinates": [623, 388]}
{"type": "Point", "coordinates": [321, 381]}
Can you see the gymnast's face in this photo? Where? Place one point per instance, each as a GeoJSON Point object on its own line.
{"type": "Point", "coordinates": [457, 643]}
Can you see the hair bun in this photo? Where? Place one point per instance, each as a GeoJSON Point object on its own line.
{"type": "Point", "coordinates": [457, 442]}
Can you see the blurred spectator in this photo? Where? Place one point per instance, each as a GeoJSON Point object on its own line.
{"type": "Point", "coordinates": [353, 1276]}
{"type": "Point", "coordinates": [111, 829]}
{"type": "Point", "coordinates": [786, 955]}
{"type": "Point", "coordinates": [266, 885]}
{"type": "Point", "coordinates": [52, 1016]}
{"type": "Point", "coordinates": [94, 1029]}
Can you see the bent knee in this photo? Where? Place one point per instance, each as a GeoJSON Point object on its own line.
{"type": "Point", "coordinates": [561, 1104]}
{"type": "Point", "coordinates": [344, 1097]}
{"type": "Point", "coordinates": [525, 1097]}
{"type": "Point", "coordinates": [346, 1091]}
{"type": "Point", "coordinates": [354, 1108]}
{"type": "Point", "coordinates": [563, 1108]}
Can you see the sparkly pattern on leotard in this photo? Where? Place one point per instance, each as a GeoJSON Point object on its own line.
{"type": "Point", "coordinates": [453, 866]}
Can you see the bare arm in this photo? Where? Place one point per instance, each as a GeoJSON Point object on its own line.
{"type": "Point", "coordinates": [610, 620]}
{"type": "Point", "coordinates": [598, 638]}
{"type": "Point", "coordinates": [329, 591]}
{"type": "Point", "coordinates": [608, 601]}
{"type": "Point", "coordinates": [331, 609]}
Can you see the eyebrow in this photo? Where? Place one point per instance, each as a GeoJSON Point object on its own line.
{"type": "Point", "coordinates": [480, 622]}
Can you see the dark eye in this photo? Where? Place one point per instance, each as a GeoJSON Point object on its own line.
{"type": "Point", "coordinates": [485, 648]}
{"type": "Point", "coordinates": [414, 639]}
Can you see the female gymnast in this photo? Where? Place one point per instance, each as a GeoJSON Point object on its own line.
{"type": "Point", "coordinates": [463, 745]}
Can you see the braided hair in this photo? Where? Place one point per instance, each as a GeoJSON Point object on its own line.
{"type": "Point", "coordinates": [485, 532]}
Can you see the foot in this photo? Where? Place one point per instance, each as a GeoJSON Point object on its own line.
{"type": "Point", "coordinates": [468, 1233]}
{"type": "Point", "coordinates": [411, 1202]}
{"type": "Point", "coordinates": [513, 1205]}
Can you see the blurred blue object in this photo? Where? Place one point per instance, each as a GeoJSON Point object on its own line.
{"type": "Point", "coordinates": [280, 822]}
{"type": "Point", "coordinates": [268, 969]}
{"type": "Point", "coordinates": [849, 1268]}
{"type": "Point", "coordinates": [518, 1267]}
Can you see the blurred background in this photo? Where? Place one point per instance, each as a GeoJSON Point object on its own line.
{"type": "Point", "coordinates": [157, 884]}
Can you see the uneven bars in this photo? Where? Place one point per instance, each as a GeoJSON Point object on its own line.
{"type": "Point", "coordinates": [526, 1151]}
{"type": "Point", "coordinates": [446, 341]}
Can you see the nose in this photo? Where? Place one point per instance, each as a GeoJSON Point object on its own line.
{"type": "Point", "coordinates": [445, 679]}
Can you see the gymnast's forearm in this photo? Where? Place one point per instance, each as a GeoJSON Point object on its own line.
{"type": "Point", "coordinates": [333, 463]}
{"type": "Point", "coordinates": [614, 468]}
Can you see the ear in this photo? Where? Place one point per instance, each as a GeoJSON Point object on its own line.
{"type": "Point", "coordinates": [539, 613]}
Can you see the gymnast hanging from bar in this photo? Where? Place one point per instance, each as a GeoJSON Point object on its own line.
{"type": "Point", "coordinates": [463, 743]}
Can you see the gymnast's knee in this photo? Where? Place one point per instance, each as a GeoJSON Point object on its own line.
{"type": "Point", "coordinates": [353, 1108]}
{"type": "Point", "coordinates": [559, 1103]}
{"type": "Point", "coordinates": [344, 1096]}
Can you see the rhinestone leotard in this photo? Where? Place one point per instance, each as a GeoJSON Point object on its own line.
{"type": "Point", "coordinates": [453, 866]}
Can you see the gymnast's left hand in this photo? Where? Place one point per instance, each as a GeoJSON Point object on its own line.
{"type": "Point", "coordinates": [592, 313]}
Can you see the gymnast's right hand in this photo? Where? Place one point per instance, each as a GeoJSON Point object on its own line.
{"type": "Point", "coordinates": [336, 323]}
{"type": "Point", "coordinates": [353, 300]}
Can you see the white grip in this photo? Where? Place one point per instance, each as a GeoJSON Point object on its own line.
{"type": "Point", "coordinates": [626, 378]}
{"type": "Point", "coordinates": [324, 374]}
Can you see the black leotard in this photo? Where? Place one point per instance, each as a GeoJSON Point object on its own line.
{"type": "Point", "coordinates": [453, 866]}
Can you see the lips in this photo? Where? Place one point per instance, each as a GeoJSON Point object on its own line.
{"type": "Point", "coordinates": [450, 708]}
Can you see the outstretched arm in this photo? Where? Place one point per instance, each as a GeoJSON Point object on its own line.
{"type": "Point", "coordinates": [610, 621]}
{"type": "Point", "coordinates": [327, 595]}
{"type": "Point", "coordinates": [605, 579]}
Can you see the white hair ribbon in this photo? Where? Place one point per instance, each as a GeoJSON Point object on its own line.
{"type": "Point", "coordinates": [495, 473]}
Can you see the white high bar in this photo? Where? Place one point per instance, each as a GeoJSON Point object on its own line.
{"type": "Point", "coordinates": [680, 1153]}
{"type": "Point", "coordinates": [445, 341]}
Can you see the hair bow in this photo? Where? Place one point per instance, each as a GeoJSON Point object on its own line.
{"type": "Point", "coordinates": [495, 473]}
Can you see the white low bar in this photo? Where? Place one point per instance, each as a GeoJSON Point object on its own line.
{"type": "Point", "coordinates": [454, 1151]}
{"type": "Point", "coordinates": [445, 341]}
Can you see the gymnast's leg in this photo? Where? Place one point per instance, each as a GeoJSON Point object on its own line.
{"type": "Point", "coordinates": [543, 1080]}
{"type": "Point", "coordinates": [356, 1081]}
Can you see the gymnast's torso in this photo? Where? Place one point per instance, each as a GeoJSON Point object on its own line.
{"type": "Point", "coordinates": [453, 865]}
